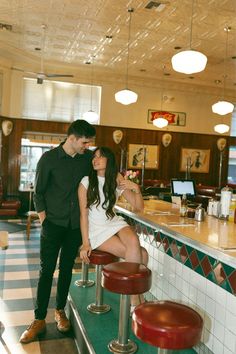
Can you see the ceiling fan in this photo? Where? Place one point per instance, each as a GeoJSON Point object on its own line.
{"type": "Point", "coordinates": [42, 75]}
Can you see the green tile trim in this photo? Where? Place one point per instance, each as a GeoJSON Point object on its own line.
{"type": "Point", "coordinates": [199, 270]}
{"type": "Point", "coordinates": [166, 240]}
{"type": "Point", "coordinates": [189, 249]}
{"type": "Point", "coordinates": [188, 264]}
{"type": "Point", "coordinates": [225, 285]}
{"type": "Point", "coordinates": [213, 261]}
{"type": "Point", "coordinates": [200, 255]}
{"type": "Point", "coordinates": [228, 270]}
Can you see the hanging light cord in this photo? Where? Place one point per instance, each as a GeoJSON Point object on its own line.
{"type": "Point", "coordinates": [128, 44]}
{"type": "Point", "coordinates": [42, 46]}
{"type": "Point", "coordinates": [191, 27]}
{"type": "Point", "coordinates": [91, 92]}
{"type": "Point", "coordinates": [162, 84]}
{"type": "Point", "coordinates": [227, 29]}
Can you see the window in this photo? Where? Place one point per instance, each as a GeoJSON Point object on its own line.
{"type": "Point", "coordinates": [232, 165]}
{"type": "Point", "coordinates": [233, 123]}
{"type": "Point", "coordinates": [232, 152]}
{"type": "Point", "coordinates": [59, 101]}
{"type": "Point", "coordinates": [33, 145]}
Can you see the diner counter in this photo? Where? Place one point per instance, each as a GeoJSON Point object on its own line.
{"type": "Point", "coordinates": [192, 262]}
{"type": "Point", "coordinates": [216, 237]}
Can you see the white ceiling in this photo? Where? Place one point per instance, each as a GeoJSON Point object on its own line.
{"type": "Point", "coordinates": [77, 29]}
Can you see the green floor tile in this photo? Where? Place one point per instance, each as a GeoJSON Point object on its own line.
{"type": "Point", "coordinates": [104, 327]}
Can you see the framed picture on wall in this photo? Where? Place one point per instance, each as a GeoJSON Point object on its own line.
{"type": "Point", "coordinates": [197, 159]}
{"type": "Point", "coordinates": [136, 156]}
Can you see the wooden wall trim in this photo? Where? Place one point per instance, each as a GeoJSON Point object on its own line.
{"type": "Point", "coordinates": [169, 157]}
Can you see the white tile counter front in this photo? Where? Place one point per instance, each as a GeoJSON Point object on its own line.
{"type": "Point", "coordinates": [194, 263]}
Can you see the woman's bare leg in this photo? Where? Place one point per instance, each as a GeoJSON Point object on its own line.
{"type": "Point", "coordinates": [126, 245]}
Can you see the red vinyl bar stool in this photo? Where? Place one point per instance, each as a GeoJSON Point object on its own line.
{"type": "Point", "coordinates": [167, 325]}
{"type": "Point", "coordinates": [99, 259]}
{"type": "Point", "coordinates": [84, 282]}
{"type": "Point", "coordinates": [127, 279]}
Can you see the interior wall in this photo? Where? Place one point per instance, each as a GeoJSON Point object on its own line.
{"type": "Point", "coordinates": [169, 158]}
{"type": "Point", "coordinates": [196, 105]}
{"type": "Point", "coordinates": [196, 102]}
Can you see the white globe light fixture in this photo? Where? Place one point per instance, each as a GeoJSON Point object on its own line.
{"type": "Point", "coordinates": [189, 61]}
{"type": "Point", "coordinates": [127, 96]}
{"type": "Point", "coordinates": [221, 128]}
{"type": "Point", "coordinates": [160, 122]}
{"type": "Point", "coordinates": [90, 117]}
{"type": "Point", "coordinates": [222, 107]}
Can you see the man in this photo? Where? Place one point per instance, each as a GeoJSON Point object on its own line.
{"type": "Point", "coordinates": [58, 174]}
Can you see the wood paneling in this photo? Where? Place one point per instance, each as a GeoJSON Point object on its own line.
{"type": "Point", "coordinates": [169, 164]}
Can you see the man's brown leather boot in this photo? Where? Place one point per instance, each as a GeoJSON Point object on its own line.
{"type": "Point", "coordinates": [31, 333]}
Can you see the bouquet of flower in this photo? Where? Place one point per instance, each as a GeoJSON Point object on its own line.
{"type": "Point", "coordinates": [133, 176]}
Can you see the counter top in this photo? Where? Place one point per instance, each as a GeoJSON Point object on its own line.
{"type": "Point", "coordinates": [216, 237]}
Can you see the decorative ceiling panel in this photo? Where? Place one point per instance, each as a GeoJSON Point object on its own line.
{"type": "Point", "coordinates": [77, 29]}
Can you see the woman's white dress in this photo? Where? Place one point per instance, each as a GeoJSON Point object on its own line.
{"type": "Point", "coordinates": [102, 228]}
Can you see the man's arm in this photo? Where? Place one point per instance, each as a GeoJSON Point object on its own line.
{"type": "Point", "coordinates": [41, 183]}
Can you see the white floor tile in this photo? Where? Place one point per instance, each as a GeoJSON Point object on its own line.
{"type": "Point", "coordinates": [16, 275]}
{"type": "Point", "coordinates": [11, 294]}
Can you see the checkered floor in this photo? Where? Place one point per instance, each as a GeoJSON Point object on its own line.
{"type": "Point", "coordinates": [19, 266]}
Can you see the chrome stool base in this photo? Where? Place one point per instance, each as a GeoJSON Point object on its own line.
{"type": "Point", "coordinates": [128, 348]}
{"type": "Point", "coordinates": [84, 283]}
{"type": "Point", "coordinates": [94, 308]}
{"type": "Point", "coordinates": [98, 307]}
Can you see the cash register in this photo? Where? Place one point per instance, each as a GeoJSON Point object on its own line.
{"type": "Point", "coordinates": [179, 187]}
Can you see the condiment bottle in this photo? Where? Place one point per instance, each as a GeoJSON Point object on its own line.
{"type": "Point", "coordinates": [183, 206]}
{"type": "Point", "coordinates": [232, 208]}
{"type": "Point", "coordinates": [210, 207]}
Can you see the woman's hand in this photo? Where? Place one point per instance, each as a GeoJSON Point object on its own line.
{"type": "Point", "coordinates": [85, 251]}
{"type": "Point", "coordinates": [127, 184]}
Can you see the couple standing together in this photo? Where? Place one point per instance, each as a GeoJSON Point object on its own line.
{"type": "Point", "coordinates": [75, 194]}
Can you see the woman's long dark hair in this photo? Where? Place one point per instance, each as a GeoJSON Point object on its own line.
{"type": "Point", "coordinates": [110, 184]}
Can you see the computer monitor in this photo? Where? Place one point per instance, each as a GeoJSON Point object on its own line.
{"type": "Point", "coordinates": [183, 186]}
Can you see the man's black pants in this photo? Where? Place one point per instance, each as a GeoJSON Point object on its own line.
{"type": "Point", "coordinates": [54, 240]}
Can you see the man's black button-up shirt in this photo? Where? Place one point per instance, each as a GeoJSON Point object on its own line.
{"type": "Point", "coordinates": [56, 185]}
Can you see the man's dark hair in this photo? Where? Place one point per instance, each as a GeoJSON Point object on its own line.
{"type": "Point", "coordinates": [81, 128]}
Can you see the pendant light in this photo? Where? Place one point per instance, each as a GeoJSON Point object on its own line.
{"type": "Point", "coordinates": [189, 61]}
{"type": "Point", "coordinates": [127, 96]}
{"type": "Point", "coordinates": [161, 121]}
{"type": "Point", "coordinates": [224, 107]}
{"type": "Point", "coordinates": [91, 116]}
{"type": "Point", "coordinates": [221, 128]}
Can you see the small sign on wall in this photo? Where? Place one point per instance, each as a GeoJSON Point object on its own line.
{"type": "Point", "coordinates": [174, 118]}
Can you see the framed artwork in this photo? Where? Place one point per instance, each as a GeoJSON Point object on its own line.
{"type": "Point", "coordinates": [197, 159]}
{"type": "Point", "coordinates": [174, 118]}
{"type": "Point", "coordinates": [136, 156]}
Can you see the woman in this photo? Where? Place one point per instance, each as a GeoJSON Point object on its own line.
{"type": "Point", "coordinates": [101, 228]}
